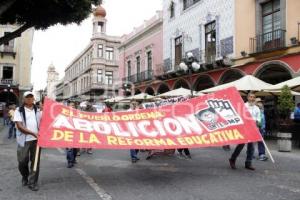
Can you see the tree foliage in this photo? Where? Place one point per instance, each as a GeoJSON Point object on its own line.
{"type": "Point", "coordinates": [41, 14]}
{"type": "Point", "coordinates": [285, 102]}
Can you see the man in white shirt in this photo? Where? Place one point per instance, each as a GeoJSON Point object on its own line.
{"type": "Point", "coordinates": [27, 119]}
{"type": "Point", "coordinates": [255, 113]}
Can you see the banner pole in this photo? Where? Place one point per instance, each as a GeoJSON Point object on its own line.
{"type": "Point", "coordinates": [271, 157]}
{"type": "Point", "coordinates": [36, 158]}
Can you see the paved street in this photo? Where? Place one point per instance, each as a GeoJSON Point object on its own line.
{"type": "Point", "coordinates": [110, 175]}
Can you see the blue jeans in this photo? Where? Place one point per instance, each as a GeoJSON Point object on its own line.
{"type": "Point", "coordinates": [239, 148]}
{"type": "Point", "coordinates": [133, 153]}
{"type": "Point", "coordinates": [260, 145]}
{"type": "Point", "coordinates": [12, 129]}
{"type": "Point", "coordinates": [71, 155]}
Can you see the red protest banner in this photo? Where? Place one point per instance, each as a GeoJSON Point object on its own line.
{"type": "Point", "coordinates": [211, 120]}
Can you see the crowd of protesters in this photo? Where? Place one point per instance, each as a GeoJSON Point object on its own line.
{"type": "Point", "coordinates": [23, 124]}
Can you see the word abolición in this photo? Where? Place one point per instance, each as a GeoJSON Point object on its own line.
{"type": "Point", "coordinates": [176, 126]}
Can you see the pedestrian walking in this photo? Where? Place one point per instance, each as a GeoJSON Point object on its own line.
{"type": "Point", "coordinates": [71, 153]}
{"type": "Point", "coordinates": [134, 152]}
{"type": "Point", "coordinates": [27, 119]}
{"type": "Point", "coordinates": [255, 113]}
{"type": "Point", "coordinates": [297, 122]}
{"type": "Point", "coordinates": [262, 129]}
{"type": "Point", "coordinates": [12, 128]}
{"type": "Point", "coordinates": [89, 108]}
{"type": "Point", "coordinates": [5, 115]}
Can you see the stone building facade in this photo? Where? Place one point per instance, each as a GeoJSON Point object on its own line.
{"type": "Point", "coordinates": [15, 65]}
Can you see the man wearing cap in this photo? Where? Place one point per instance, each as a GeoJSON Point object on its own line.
{"type": "Point", "coordinates": [27, 119]}
{"type": "Point", "coordinates": [255, 113]}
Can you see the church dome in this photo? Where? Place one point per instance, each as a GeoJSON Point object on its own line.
{"type": "Point", "coordinates": [99, 11]}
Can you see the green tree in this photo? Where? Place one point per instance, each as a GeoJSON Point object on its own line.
{"type": "Point", "coordinates": [40, 14]}
{"type": "Point", "coordinates": [285, 103]}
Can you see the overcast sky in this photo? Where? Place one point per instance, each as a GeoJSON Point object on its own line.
{"type": "Point", "coordinates": [60, 44]}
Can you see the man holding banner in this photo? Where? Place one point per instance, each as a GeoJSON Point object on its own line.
{"type": "Point", "coordinates": [27, 119]}
{"type": "Point", "coordinates": [255, 113]}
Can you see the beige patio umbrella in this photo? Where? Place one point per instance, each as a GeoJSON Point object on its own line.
{"type": "Point", "coordinates": [177, 92]}
{"type": "Point", "coordinates": [114, 99]}
{"type": "Point", "coordinates": [294, 84]}
{"type": "Point", "coordinates": [141, 96]}
{"type": "Point", "coordinates": [246, 83]}
{"type": "Point", "coordinates": [273, 93]}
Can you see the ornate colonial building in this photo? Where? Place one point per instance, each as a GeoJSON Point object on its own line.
{"type": "Point", "coordinates": [15, 65]}
{"type": "Point", "coordinates": [93, 74]}
{"type": "Point", "coordinates": [230, 39]}
{"type": "Point", "coordinates": [140, 56]}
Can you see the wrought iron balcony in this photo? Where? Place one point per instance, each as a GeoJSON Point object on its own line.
{"type": "Point", "coordinates": [139, 77]}
{"type": "Point", "coordinates": [268, 42]}
{"type": "Point", "coordinates": [161, 69]}
{"type": "Point", "coordinates": [8, 82]}
{"type": "Point", "coordinates": [146, 75]}
{"type": "Point", "coordinates": [7, 50]}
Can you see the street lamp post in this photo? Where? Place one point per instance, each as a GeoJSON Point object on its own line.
{"type": "Point", "coordinates": [126, 88]}
{"type": "Point", "coordinates": [189, 64]}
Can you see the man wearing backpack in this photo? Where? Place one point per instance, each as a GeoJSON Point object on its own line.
{"type": "Point", "coordinates": [27, 119]}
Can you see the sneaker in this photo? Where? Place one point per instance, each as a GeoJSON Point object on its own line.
{"type": "Point", "coordinates": [33, 187]}
{"type": "Point", "coordinates": [148, 157]}
{"type": "Point", "coordinates": [189, 156]}
{"type": "Point", "coordinates": [263, 158]}
{"type": "Point", "coordinates": [250, 167]}
{"type": "Point", "coordinates": [24, 181]}
{"type": "Point", "coordinates": [89, 152]}
{"type": "Point", "coordinates": [226, 148]}
{"type": "Point", "coordinates": [232, 163]}
{"type": "Point", "coordinates": [70, 165]}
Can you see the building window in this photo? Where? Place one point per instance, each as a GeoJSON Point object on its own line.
{"type": "Point", "coordinates": [7, 72]}
{"type": "Point", "coordinates": [108, 77]}
{"type": "Point", "coordinates": [128, 68]}
{"type": "Point", "coordinates": [185, 4]}
{"type": "Point", "coordinates": [178, 50]}
{"type": "Point", "coordinates": [100, 50]}
{"type": "Point", "coordinates": [188, 3]}
{"type": "Point", "coordinates": [271, 16]}
{"type": "Point", "coordinates": [109, 53]}
{"type": "Point", "coordinates": [8, 46]}
{"type": "Point", "coordinates": [99, 76]}
{"type": "Point", "coordinates": [271, 26]}
{"type": "Point", "coordinates": [210, 42]}
{"type": "Point", "coordinates": [138, 64]}
{"type": "Point", "coordinates": [172, 9]}
{"type": "Point", "coordinates": [149, 60]}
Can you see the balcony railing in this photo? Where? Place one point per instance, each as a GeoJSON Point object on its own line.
{"type": "Point", "coordinates": [8, 82]}
{"type": "Point", "coordinates": [268, 41]}
{"type": "Point", "coordinates": [161, 69]}
{"type": "Point", "coordinates": [139, 77]}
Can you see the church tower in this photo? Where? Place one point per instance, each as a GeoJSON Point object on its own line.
{"type": "Point", "coordinates": [99, 21]}
{"type": "Point", "coordinates": [52, 80]}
